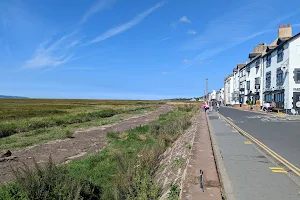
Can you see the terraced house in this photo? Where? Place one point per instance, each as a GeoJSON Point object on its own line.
{"type": "Point", "coordinates": [272, 74]}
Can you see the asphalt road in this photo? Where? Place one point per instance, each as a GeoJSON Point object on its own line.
{"type": "Point", "coordinates": [247, 169]}
{"type": "Point", "coordinates": [282, 135]}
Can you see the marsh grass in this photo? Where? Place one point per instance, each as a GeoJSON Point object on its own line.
{"type": "Point", "coordinates": [123, 170]}
{"type": "Point", "coordinates": [25, 122]}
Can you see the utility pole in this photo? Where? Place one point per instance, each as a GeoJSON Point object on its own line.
{"type": "Point", "coordinates": [206, 89]}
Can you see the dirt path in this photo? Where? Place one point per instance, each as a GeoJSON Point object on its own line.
{"type": "Point", "coordinates": [62, 151]}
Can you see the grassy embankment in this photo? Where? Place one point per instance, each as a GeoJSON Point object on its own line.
{"type": "Point", "coordinates": [25, 122]}
{"type": "Point", "coordinates": [123, 170]}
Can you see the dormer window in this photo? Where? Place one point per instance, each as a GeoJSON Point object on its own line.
{"type": "Point", "coordinates": [257, 64]}
{"type": "Point", "coordinates": [279, 54]}
{"type": "Point", "coordinates": [269, 57]}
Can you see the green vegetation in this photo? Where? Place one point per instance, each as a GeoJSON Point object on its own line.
{"type": "Point", "coordinates": [178, 162]}
{"type": "Point", "coordinates": [123, 170]}
{"type": "Point", "coordinates": [50, 182]}
{"type": "Point", "coordinates": [174, 192]}
{"type": "Point", "coordinates": [40, 120]}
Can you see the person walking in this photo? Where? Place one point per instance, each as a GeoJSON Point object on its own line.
{"type": "Point", "coordinates": [203, 106]}
{"type": "Point", "coordinates": [218, 107]}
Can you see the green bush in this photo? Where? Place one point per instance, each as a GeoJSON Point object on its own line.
{"type": "Point", "coordinates": [49, 182]}
{"type": "Point", "coordinates": [7, 129]}
{"type": "Point", "coordinates": [174, 192]}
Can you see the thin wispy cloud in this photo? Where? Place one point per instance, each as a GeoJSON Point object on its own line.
{"type": "Point", "coordinates": [164, 73]}
{"type": "Point", "coordinates": [124, 27]}
{"type": "Point", "coordinates": [78, 68]}
{"type": "Point", "coordinates": [52, 53]}
{"type": "Point", "coordinates": [186, 61]}
{"type": "Point", "coordinates": [191, 32]}
{"type": "Point", "coordinates": [98, 6]}
{"type": "Point", "coordinates": [184, 19]}
{"type": "Point", "coordinates": [234, 28]}
{"type": "Point", "coordinates": [187, 66]}
{"type": "Point", "coordinates": [164, 39]}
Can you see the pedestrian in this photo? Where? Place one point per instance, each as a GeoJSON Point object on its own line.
{"type": "Point", "coordinates": [218, 107]}
{"type": "Point", "coordinates": [203, 106]}
{"type": "Point", "coordinates": [206, 107]}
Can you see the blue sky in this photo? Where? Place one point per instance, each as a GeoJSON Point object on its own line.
{"type": "Point", "coordinates": [133, 49]}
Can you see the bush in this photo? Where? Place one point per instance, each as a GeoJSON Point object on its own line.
{"type": "Point", "coordinates": [136, 178]}
{"type": "Point", "coordinates": [7, 129]}
{"type": "Point", "coordinates": [69, 134]}
{"type": "Point", "coordinates": [49, 182]}
{"type": "Point", "coordinates": [174, 192]}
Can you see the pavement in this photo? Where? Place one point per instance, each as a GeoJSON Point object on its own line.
{"type": "Point", "coordinates": [204, 185]}
{"type": "Point", "coordinates": [260, 158]}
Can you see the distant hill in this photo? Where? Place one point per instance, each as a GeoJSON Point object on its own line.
{"type": "Point", "coordinates": [12, 97]}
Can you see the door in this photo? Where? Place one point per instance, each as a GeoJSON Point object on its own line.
{"type": "Point", "coordinates": [296, 100]}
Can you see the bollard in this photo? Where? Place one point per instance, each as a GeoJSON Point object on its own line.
{"type": "Point", "coordinates": [201, 180]}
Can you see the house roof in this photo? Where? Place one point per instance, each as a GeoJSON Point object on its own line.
{"type": "Point", "coordinates": [240, 66]}
{"type": "Point", "coordinates": [281, 42]}
{"type": "Point", "coordinates": [227, 77]}
{"type": "Point", "coordinates": [252, 55]}
{"type": "Point", "coordinates": [254, 59]}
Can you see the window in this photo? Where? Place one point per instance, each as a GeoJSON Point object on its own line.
{"type": "Point", "coordinates": [279, 97]}
{"type": "Point", "coordinates": [248, 68]}
{"type": "Point", "coordinates": [297, 75]}
{"type": "Point", "coordinates": [248, 85]}
{"type": "Point", "coordinates": [257, 64]}
{"type": "Point", "coordinates": [279, 77]}
{"type": "Point", "coordinates": [269, 57]}
{"type": "Point", "coordinates": [257, 81]}
{"type": "Point", "coordinates": [268, 79]}
{"type": "Point", "coordinates": [268, 97]}
{"type": "Point", "coordinates": [279, 54]}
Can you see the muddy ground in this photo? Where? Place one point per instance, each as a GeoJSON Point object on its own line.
{"type": "Point", "coordinates": [84, 142]}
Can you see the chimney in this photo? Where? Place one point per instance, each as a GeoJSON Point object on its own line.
{"type": "Point", "coordinates": [285, 31]}
{"type": "Point", "coordinates": [261, 47]}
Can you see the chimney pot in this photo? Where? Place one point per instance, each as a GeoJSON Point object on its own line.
{"type": "Point", "coordinates": [284, 26]}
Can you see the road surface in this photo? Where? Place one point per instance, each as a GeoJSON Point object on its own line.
{"type": "Point", "coordinates": [281, 134]}
{"type": "Point", "coordinates": [251, 172]}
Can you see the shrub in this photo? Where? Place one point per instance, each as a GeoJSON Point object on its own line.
{"type": "Point", "coordinates": [135, 180]}
{"type": "Point", "coordinates": [7, 129]}
{"type": "Point", "coordinates": [174, 192]}
{"type": "Point", "coordinates": [69, 134]}
{"type": "Point", "coordinates": [49, 182]}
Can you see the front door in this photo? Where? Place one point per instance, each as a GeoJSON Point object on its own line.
{"type": "Point", "coordinates": [296, 100]}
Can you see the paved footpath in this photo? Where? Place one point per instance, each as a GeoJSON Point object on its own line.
{"type": "Point", "coordinates": [251, 172]}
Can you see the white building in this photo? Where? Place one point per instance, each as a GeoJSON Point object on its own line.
{"type": "Point", "coordinates": [212, 95]}
{"type": "Point", "coordinates": [220, 96]}
{"type": "Point", "coordinates": [272, 74]}
{"type": "Point", "coordinates": [253, 90]}
{"type": "Point", "coordinates": [228, 90]}
{"type": "Point", "coordinates": [236, 89]}
{"type": "Point", "coordinates": [281, 70]}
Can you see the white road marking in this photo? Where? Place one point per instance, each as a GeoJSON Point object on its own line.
{"type": "Point", "coordinates": [230, 119]}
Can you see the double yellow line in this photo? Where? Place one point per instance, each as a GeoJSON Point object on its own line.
{"type": "Point", "coordinates": [264, 147]}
